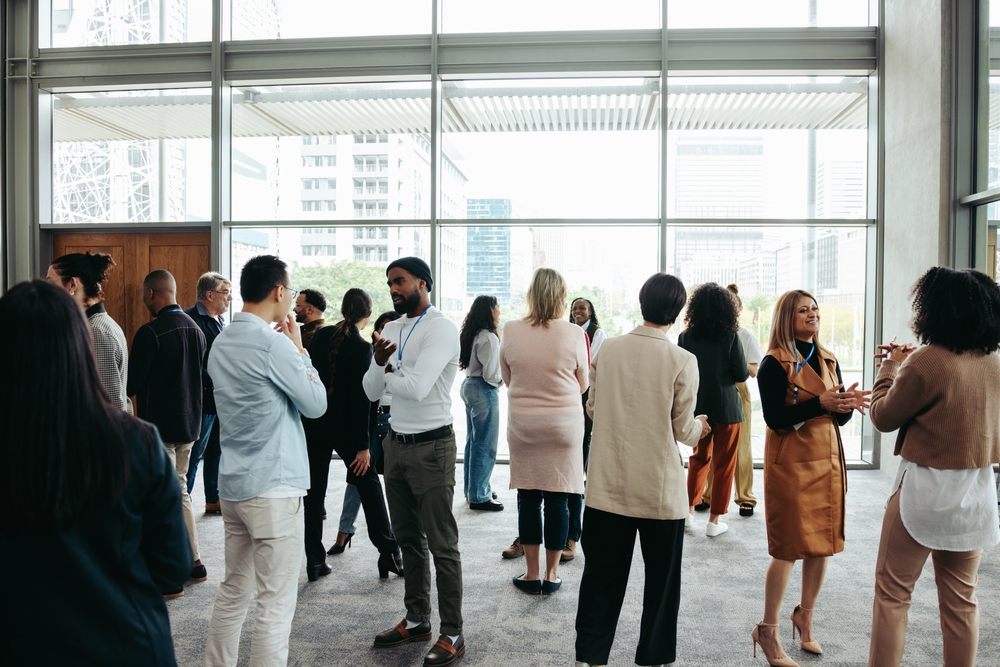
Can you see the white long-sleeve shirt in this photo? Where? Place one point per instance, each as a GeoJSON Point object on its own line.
{"type": "Point", "coordinates": [599, 337]}
{"type": "Point", "coordinates": [423, 366]}
{"type": "Point", "coordinates": [484, 362]}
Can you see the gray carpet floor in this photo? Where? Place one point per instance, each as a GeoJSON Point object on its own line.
{"type": "Point", "coordinates": [722, 596]}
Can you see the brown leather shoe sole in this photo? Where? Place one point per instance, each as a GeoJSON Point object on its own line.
{"type": "Point", "coordinates": [449, 654]}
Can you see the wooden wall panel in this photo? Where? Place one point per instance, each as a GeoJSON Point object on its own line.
{"type": "Point", "coordinates": [114, 289]}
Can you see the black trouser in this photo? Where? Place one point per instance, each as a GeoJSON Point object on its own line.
{"type": "Point", "coordinates": [575, 501]}
{"type": "Point", "coordinates": [320, 444]}
{"type": "Point", "coordinates": [608, 543]}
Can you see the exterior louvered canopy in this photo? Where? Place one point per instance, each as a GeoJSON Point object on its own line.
{"type": "Point", "coordinates": [505, 107]}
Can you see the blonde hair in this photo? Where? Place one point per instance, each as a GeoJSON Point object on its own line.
{"type": "Point", "coordinates": [783, 323]}
{"type": "Point", "coordinates": [546, 297]}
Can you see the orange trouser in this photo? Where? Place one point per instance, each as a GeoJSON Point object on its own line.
{"type": "Point", "coordinates": [744, 458]}
{"type": "Point", "coordinates": [719, 446]}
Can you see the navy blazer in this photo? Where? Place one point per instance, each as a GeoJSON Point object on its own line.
{"type": "Point", "coordinates": [211, 327]}
{"type": "Point", "coordinates": [91, 595]}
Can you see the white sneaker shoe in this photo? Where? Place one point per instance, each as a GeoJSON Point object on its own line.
{"type": "Point", "coordinates": [715, 529]}
{"type": "Point", "coordinates": [689, 521]}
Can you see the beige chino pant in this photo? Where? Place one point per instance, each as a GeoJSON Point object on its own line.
{"type": "Point", "coordinates": [180, 457]}
{"type": "Point", "coordinates": [900, 560]}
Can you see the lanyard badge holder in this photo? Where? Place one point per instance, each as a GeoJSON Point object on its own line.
{"type": "Point", "coordinates": [798, 369]}
{"type": "Point", "coordinates": [399, 352]}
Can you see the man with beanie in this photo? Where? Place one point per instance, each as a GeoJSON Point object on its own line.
{"type": "Point", "coordinates": [416, 359]}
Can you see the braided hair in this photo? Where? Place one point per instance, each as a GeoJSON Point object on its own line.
{"type": "Point", "coordinates": [356, 306]}
{"type": "Point", "coordinates": [594, 324]}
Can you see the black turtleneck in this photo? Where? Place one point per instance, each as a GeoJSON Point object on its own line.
{"type": "Point", "coordinates": [772, 380]}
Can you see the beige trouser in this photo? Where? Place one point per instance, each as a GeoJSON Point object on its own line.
{"type": "Point", "coordinates": [744, 458]}
{"type": "Point", "coordinates": [180, 456]}
{"type": "Point", "coordinates": [264, 543]}
{"type": "Point", "coordinates": [900, 560]}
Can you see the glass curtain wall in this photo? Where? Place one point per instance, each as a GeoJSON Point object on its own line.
{"type": "Point", "coordinates": [490, 161]}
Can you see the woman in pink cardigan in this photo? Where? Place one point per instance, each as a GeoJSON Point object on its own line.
{"type": "Point", "coordinates": [544, 361]}
{"type": "Point", "coordinates": [944, 398]}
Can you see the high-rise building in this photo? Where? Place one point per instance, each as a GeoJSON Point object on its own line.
{"type": "Point", "coordinates": [488, 251]}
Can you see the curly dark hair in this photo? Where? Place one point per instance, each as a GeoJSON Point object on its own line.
{"type": "Point", "coordinates": [711, 312]}
{"type": "Point", "coordinates": [91, 269]}
{"type": "Point", "coordinates": [594, 324]}
{"type": "Point", "coordinates": [315, 299]}
{"type": "Point", "coordinates": [383, 319]}
{"type": "Point", "coordinates": [480, 317]}
{"type": "Point", "coordinates": [959, 310]}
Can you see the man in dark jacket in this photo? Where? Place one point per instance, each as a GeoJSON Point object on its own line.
{"type": "Point", "coordinates": [164, 374]}
{"type": "Point", "coordinates": [214, 297]}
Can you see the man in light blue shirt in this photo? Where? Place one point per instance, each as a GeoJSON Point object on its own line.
{"type": "Point", "coordinates": [263, 382]}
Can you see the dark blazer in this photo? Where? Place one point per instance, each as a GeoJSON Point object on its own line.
{"type": "Point", "coordinates": [164, 374]}
{"type": "Point", "coordinates": [211, 327]}
{"type": "Point", "coordinates": [90, 596]}
{"type": "Point", "coordinates": [721, 364]}
{"type": "Point", "coordinates": [349, 413]}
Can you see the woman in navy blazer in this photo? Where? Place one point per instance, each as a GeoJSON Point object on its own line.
{"type": "Point", "coordinates": [92, 507]}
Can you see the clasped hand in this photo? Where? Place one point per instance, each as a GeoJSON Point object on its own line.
{"type": "Point", "coordinates": [835, 400]}
{"type": "Point", "coordinates": [893, 351]}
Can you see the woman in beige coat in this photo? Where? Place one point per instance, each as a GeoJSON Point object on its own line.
{"type": "Point", "coordinates": [543, 362]}
{"type": "Point", "coordinates": [643, 391]}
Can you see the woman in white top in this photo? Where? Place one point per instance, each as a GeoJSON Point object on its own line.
{"type": "Point", "coordinates": [944, 398]}
{"type": "Point", "coordinates": [582, 314]}
{"type": "Point", "coordinates": [480, 359]}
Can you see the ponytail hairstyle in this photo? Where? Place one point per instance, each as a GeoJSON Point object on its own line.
{"type": "Point", "coordinates": [594, 324]}
{"type": "Point", "coordinates": [480, 317]}
{"type": "Point", "coordinates": [91, 269]}
{"type": "Point", "coordinates": [356, 306]}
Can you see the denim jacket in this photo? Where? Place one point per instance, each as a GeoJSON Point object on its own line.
{"type": "Point", "coordinates": [262, 385]}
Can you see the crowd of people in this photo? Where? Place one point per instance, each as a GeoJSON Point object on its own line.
{"type": "Point", "coordinates": [99, 492]}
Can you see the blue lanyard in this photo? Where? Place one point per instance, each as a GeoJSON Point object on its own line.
{"type": "Point", "coordinates": [798, 368]}
{"type": "Point", "coordinates": [399, 352]}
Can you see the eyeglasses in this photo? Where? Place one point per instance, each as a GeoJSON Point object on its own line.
{"type": "Point", "coordinates": [294, 292]}
{"type": "Point", "coordinates": [224, 292]}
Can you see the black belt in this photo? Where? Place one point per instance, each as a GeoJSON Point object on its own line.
{"type": "Point", "coordinates": [384, 409]}
{"type": "Point", "coordinates": [426, 436]}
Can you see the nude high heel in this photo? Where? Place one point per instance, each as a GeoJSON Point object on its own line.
{"type": "Point", "coordinates": [811, 646]}
{"type": "Point", "coordinates": [766, 636]}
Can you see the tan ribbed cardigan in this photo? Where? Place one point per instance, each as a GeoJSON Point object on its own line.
{"type": "Point", "coordinates": [945, 405]}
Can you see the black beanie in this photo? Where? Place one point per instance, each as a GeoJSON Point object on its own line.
{"type": "Point", "coordinates": [416, 267]}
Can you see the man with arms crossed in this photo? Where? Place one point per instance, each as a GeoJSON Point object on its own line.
{"type": "Point", "coordinates": [164, 375]}
{"type": "Point", "coordinates": [214, 296]}
{"type": "Point", "coordinates": [263, 382]}
{"type": "Point", "coordinates": [416, 359]}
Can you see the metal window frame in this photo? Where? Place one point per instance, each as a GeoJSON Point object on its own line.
{"type": "Point", "coordinates": [33, 71]}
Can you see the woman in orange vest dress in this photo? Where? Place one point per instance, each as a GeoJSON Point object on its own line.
{"type": "Point", "coordinates": [805, 479]}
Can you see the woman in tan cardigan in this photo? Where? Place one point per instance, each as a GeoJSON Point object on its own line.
{"type": "Point", "coordinates": [945, 400]}
{"type": "Point", "coordinates": [543, 362]}
{"type": "Point", "coordinates": [805, 479]}
{"type": "Point", "coordinates": [643, 391]}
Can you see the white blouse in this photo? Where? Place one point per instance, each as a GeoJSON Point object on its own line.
{"type": "Point", "coordinates": [948, 510]}
{"type": "Point", "coordinates": [599, 337]}
{"type": "Point", "coordinates": [484, 361]}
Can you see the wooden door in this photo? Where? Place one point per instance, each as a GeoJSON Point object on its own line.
{"type": "Point", "coordinates": [184, 254]}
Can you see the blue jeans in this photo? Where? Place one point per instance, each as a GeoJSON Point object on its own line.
{"type": "Point", "coordinates": [482, 419]}
{"type": "Point", "coordinates": [352, 499]}
{"type": "Point", "coordinates": [529, 518]}
{"type": "Point", "coordinates": [206, 447]}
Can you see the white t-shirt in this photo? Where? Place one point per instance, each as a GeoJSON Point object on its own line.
{"type": "Point", "coordinates": [751, 347]}
{"type": "Point", "coordinates": [424, 366]}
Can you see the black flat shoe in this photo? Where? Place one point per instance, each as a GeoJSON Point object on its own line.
{"type": "Point", "coordinates": [531, 587]}
{"type": "Point", "coordinates": [334, 550]}
{"type": "Point", "coordinates": [550, 587]}
{"type": "Point", "coordinates": [400, 635]}
{"type": "Point", "coordinates": [746, 509]}
{"type": "Point", "coordinates": [701, 507]}
{"type": "Point", "coordinates": [314, 572]}
{"type": "Point", "coordinates": [488, 506]}
{"type": "Point", "coordinates": [390, 562]}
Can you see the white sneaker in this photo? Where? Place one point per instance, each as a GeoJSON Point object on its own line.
{"type": "Point", "coordinates": [689, 522]}
{"type": "Point", "coordinates": [587, 664]}
{"type": "Point", "coordinates": [715, 529]}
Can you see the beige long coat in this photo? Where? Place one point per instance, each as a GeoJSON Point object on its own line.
{"type": "Point", "coordinates": [643, 391]}
{"type": "Point", "coordinates": [805, 477]}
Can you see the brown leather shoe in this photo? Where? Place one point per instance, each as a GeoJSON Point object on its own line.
{"type": "Point", "coordinates": [213, 508]}
{"type": "Point", "coordinates": [400, 635]}
{"type": "Point", "coordinates": [513, 551]}
{"type": "Point", "coordinates": [443, 653]}
{"type": "Point", "coordinates": [569, 553]}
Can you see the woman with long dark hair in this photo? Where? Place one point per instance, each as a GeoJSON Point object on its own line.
{"type": "Point", "coordinates": [90, 499]}
{"type": "Point", "coordinates": [352, 501]}
{"type": "Point", "coordinates": [480, 359]}
{"type": "Point", "coordinates": [342, 357]}
{"type": "Point", "coordinates": [84, 275]}
{"type": "Point", "coordinates": [944, 398]}
{"type": "Point", "coordinates": [711, 335]}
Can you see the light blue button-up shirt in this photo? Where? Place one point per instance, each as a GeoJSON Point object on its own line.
{"type": "Point", "coordinates": [262, 384]}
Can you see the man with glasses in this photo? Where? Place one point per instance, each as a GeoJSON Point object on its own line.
{"type": "Point", "coordinates": [215, 293]}
{"type": "Point", "coordinates": [264, 383]}
{"type": "Point", "coordinates": [310, 305]}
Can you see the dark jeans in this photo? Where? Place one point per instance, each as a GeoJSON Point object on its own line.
{"type": "Point", "coordinates": [529, 518]}
{"type": "Point", "coordinates": [420, 486]}
{"type": "Point", "coordinates": [576, 500]}
{"type": "Point", "coordinates": [320, 445]}
{"type": "Point", "coordinates": [608, 543]}
{"type": "Point", "coordinates": [206, 448]}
